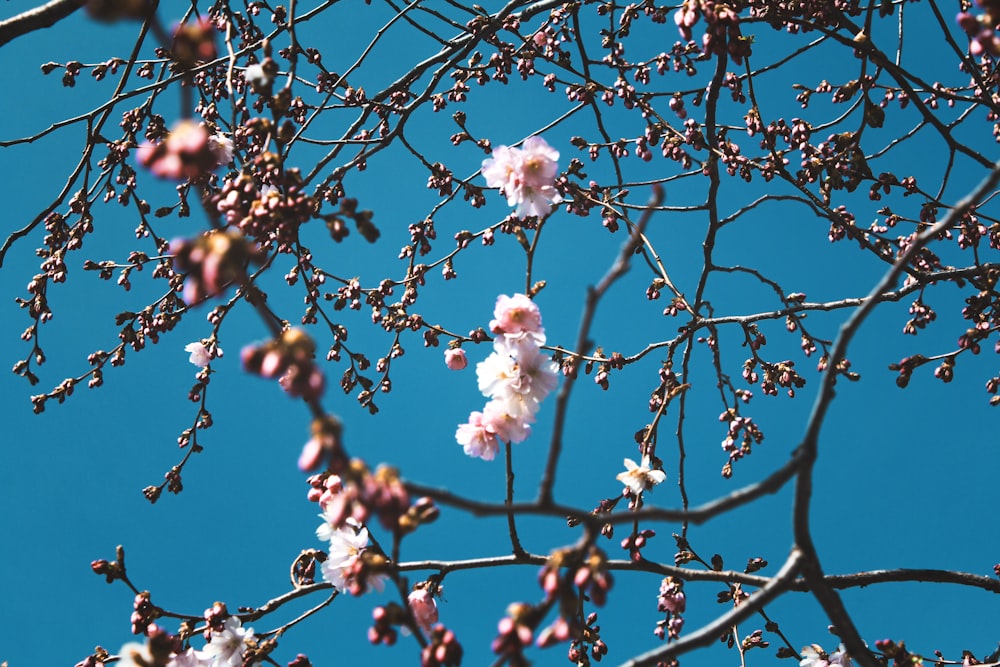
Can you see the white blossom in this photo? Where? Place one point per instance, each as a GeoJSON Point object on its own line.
{"type": "Point", "coordinates": [638, 478]}
{"type": "Point", "coordinates": [201, 355]}
{"type": "Point", "coordinates": [227, 646]}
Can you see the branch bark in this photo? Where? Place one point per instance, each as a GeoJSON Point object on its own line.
{"type": "Point", "coordinates": [45, 16]}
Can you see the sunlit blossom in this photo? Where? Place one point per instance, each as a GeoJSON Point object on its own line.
{"type": "Point", "coordinates": [815, 656]}
{"type": "Point", "coordinates": [516, 315]}
{"type": "Point", "coordinates": [346, 545]}
{"type": "Point", "coordinates": [525, 176]}
{"type": "Point", "coordinates": [455, 359]}
{"type": "Point", "coordinates": [519, 377]}
{"type": "Point", "coordinates": [228, 645]}
{"type": "Point", "coordinates": [639, 478]}
{"type": "Point", "coordinates": [134, 654]}
{"type": "Point", "coordinates": [255, 75]}
{"type": "Point", "coordinates": [201, 355]}
{"type": "Point", "coordinates": [478, 437]}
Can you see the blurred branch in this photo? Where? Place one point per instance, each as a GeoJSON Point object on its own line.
{"type": "Point", "coordinates": [583, 342]}
{"type": "Point", "coordinates": [44, 16]}
{"type": "Point", "coordinates": [827, 597]}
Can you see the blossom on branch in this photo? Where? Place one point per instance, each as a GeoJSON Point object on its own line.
{"type": "Point", "coordinates": [423, 606]}
{"type": "Point", "coordinates": [516, 316]}
{"type": "Point", "coordinates": [526, 176]}
{"type": "Point", "coordinates": [815, 656]}
{"type": "Point", "coordinates": [227, 646]}
{"type": "Point", "coordinates": [478, 437]}
{"type": "Point", "coordinates": [345, 566]}
{"type": "Point", "coordinates": [455, 359]}
{"type": "Point", "coordinates": [517, 376]}
{"type": "Point", "coordinates": [188, 152]}
{"type": "Point", "coordinates": [201, 354]}
{"type": "Point", "coordinates": [638, 478]}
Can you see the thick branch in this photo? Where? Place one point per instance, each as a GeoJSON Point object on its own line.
{"type": "Point", "coordinates": [45, 16]}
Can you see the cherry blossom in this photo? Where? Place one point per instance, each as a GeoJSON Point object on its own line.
{"type": "Point", "coordinates": [424, 608]}
{"type": "Point", "coordinates": [191, 658]}
{"type": "Point", "coordinates": [515, 315]}
{"type": "Point", "coordinates": [201, 354]}
{"type": "Point", "coordinates": [478, 437]}
{"type": "Point", "coordinates": [255, 75]}
{"type": "Point", "coordinates": [455, 359]}
{"type": "Point", "coordinates": [226, 648]}
{"type": "Point", "coordinates": [518, 376]}
{"type": "Point", "coordinates": [134, 654]}
{"type": "Point", "coordinates": [222, 146]}
{"type": "Point", "coordinates": [188, 152]}
{"type": "Point", "coordinates": [346, 546]}
{"type": "Point", "coordinates": [639, 478]}
{"type": "Point", "coordinates": [815, 656]}
{"type": "Point", "coordinates": [525, 176]}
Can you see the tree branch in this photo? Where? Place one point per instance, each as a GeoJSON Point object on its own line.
{"type": "Point", "coordinates": [45, 16]}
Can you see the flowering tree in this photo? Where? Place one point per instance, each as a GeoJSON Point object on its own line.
{"type": "Point", "coordinates": [701, 168]}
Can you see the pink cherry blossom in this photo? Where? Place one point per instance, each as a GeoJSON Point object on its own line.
{"type": "Point", "coordinates": [518, 376]}
{"type": "Point", "coordinates": [477, 438]}
{"type": "Point", "coordinates": [515, 315]}
{"type": "Point", "coordinates": [201, 354]}
{"type": "Point", "coordinates": [455, 359]}
{"type": "Point", "coordinates": [525, 176]}
{"type": "Point", "coordinates": [506, 427]}
{"type": "Point", "coordinates": [188, 152]}
{"type": "Point", "coordinates": [424, 608]}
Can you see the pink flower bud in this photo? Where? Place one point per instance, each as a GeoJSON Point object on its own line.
{"type": "Point", "coordinates": [455, 359]}
{"type": "Point", "coordinates": [424, 608]}
{"type": "Point", "coordinates": [312, 456]}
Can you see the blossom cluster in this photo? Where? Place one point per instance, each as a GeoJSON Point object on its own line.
{"type": "Point", "coordinates": [526, 176]}
{"type": "Point", "coordinates": [517, 376]}
{"type": "Point", "coordinates": [228, 646]}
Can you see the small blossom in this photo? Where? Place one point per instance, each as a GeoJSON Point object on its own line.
{"type": "Point", "coordinates": [346, 546]}
{"type": "Point", "coordinates": [256, 76]}
{"type": "Point", "coordinates": [226, 648]}
{"type": "Point", "coordinates": [515, 315]}
{"type": "Point", "coordinates": [478, 438]}
{"type": "Point", "coordinates": [455, 359]}
{"type": "Point", "coordinates": [424, 608]}
{"type": "Point", "coordinates": [201, 355]}
{"type": "Point", "coordinates": [325, 444]}
{"type": "Point", "coordinates": [640, 477]}
{"type": "Point", "coordinates": [222, 146]}
{"type": "Point", "coordinates": [815, 656]}
{"type": "Point", "coordinates": [134, 654]}
{"type": "Point", "coordinates": [187, 153]}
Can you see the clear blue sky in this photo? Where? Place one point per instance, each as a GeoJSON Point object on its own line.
{"type": "Point", "coordinates": [904, 479]}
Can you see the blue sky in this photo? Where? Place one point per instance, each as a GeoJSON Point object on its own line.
{"type": "Point", "coordinates": [904, 478]}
